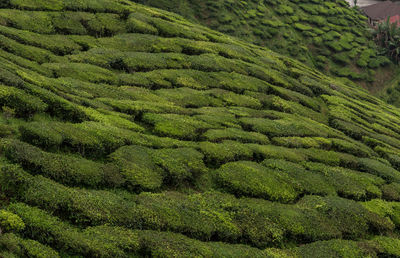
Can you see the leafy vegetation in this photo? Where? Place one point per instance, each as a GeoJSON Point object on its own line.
{"type": "Point", "coordinates": [129, 131]}
{"type": "Point", "coordinates": [327, 35]}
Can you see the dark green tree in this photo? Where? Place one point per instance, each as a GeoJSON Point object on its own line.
{"type": "Point", "coordinates": [4, 3]}
{"type": "Point", "coordinates": [387, 36]}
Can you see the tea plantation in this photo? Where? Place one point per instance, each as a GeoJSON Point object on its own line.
{"type": "Point", "coordinates": [324, 34]}
{"type": "Point", "coordinates": [127, 131]}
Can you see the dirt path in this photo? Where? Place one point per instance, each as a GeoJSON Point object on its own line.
{"type": "Point", "coordinates": [363, 2]}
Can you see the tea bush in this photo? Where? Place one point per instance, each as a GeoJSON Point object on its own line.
{"type": "Point", "coordinates": [128, 131]}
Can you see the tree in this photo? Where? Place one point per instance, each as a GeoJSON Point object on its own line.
{"type": "Point", "coordinates": [387, 36]}
{"type": "Point", "coordinates": [4, 3]}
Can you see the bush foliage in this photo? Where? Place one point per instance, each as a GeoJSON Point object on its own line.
{"type": "Point", "coordinates": [128, 131]}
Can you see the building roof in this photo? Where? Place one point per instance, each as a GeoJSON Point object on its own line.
{"type": "Point", "coordinates": [381, 10]}
{"type": "Point", "coordinates": [395, 19]}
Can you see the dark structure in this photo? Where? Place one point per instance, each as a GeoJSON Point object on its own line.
{"type": "Point", "coordinates": [381, 11]}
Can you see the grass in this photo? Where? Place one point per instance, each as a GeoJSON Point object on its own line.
{"type": "Point", "coordinates": [129, 131]}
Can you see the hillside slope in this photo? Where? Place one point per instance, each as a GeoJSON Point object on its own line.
{"type": "Point", "coordinates": [327, 35]}
{"type": "Point", "coordinates": [126, 130]}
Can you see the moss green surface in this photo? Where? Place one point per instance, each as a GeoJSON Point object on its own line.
{"type": "Point", "coordinates": [129, 131]}
{"type": "Point", "coordinates": [327, 35]}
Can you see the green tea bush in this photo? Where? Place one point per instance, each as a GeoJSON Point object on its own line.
{"type": "Point", "coordinates": [129, 131]}
{"type": "Point", "coordinates": [61, 168]}
{"type": "Point", "coordinates": [138, 26]}
{"type": "Point", "coordinates": [335, 46]}
{"type": "Point", "coordinates": [106, 241]}
{"type": "Point", "coordinates": [350, 217]}
{"type": "Point", "coordinates": [161, 211]}
{"type": "Point", "coordinates": [276, 152]}
{"type": "Point", "coordinates": [137, 167]}
{"type": "Point", "coordinates": [84, 72]}
{"type": "Point", "coordinates": [22, 20]}
{"type": "Point", "coordinates": [88, 138]}
{"type": "Point", "coordinates": [137, 108]}
{"type": "Point", "coordinates": [25, 51]}
{"type": "Point", "coordinates": [349, 183]}
{"type": "Point", "coordinates": [98, 241]}
{"type": "Point", "coordinates": [53, 5]}
{"type": "Point", "coordinates": [391, 192]}
{"type": "Point", "coordinates": [331, 248]}
{"type": "Point", "coordinates": [82, 206]}
{"type": "Point", "coordinates": [301, 142]}
{"type": "Point", "coordinates": [189, 97]}
{"type": "Point", "coordinates": [302, 180]}
{"type": "Point", "coordinates": [25, 247]}
{"type": "Point", "coordinates": [10, 222]}
{"type": "Point", "coordinates": [302, 27]}
{"type": "Point", "coordinates": [389, 210]}
{"type": "Point", "coordinates": [183, 164]}
{"type": "Point", "coordinates": [24, 104]}
{"type": "Point", "coordinates": [179, 126]}
{"type": "Point", "coordinates": [251, 179]}
{"type": "Point", "coordinates": [380, 169]}
{"type": "Point", "coordinates": [287, 127]}
{"type": "Point", "coordinates": [218, 153]}
{"type": "Point", "coordinates": [217, 135]}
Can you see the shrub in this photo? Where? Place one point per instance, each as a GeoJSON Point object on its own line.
{"type": "Point", "coordinates": [220, 153]}
{"type": "Point", "coordinates": [331, 248]}
{"type": "Point", "coordinates": [137, 167]}
{"type": "Point", "coordinates": [178, 126]}
{"type": "Point", "coordinates": [26, 52]}
{"type": "Point", "coordinates": [234, 99]}
{"type": "Point", "coordinates": [302, 27]}
{"type": "Point", "coordinates": [100, 241]}
{"type": "Point", "coordinates": [189, 97]}
{"type": "Point", "coordinates": [137, 26]}
{"type": "Point", "coordinates": [275, 152]}
{"type": "Point", "coordinates": [23, 103]}
{"type": "Point", "coordinates": [349, 183]}
{"type": "Point", "coordinates": [199, 216]}
{"type": "Point", "coordinates": [350, 217]}
{"type": "Point", "coordinates": [184, 164]}
{"type": "Point", "coordinates": [10, 222]}
{"type": "Point", "coordinates": [334, 45]}
{"type": "Point", "coordinates": [89, 138]}
{"type": "Point", "coordinates": [364, 58]}
{"type": "Point", "coordinates": [54, 5]}
{"type": "Point", "coordinates": [380, 169]}
{"type": "Point", "coordinates": [301, 142]}
{"type": "Point", "coordinates": [342, 57]}
{"type": "Point", "coordinates": [235, 134]}
{"type": "Point", "coordinates": [25, 247]}
{"type": "Point", "coordinates": [385, 209]}
{"type": "Point", "coordinates": [40, 134]}
{"type": "Point", "coordinates": [85, 207]}
{"type": "Point", "coordinates": [84, 72]}
{"type": "Point", "coordinates": [391, 192]}
{"type": "Point", "coordinates": [65, 169]}
{"type": "Point", "coordinates": [137, 108]}
{"type": "Point", "coordinates": [386, 245]}
{"type": "Point", "coordinates": [304, 181]}
{"type": "Point", "coordinates": [22, 20]}
{"type": "Point", "coordinates": [251, 179]}
{"type": "Point", "coordinates": [111, 119]}
{"type": "Point", "coordinates": [290, 126]}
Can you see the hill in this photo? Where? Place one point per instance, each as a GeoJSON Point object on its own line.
{"type": "Point", "coordinates": [127, 130]}
{"type": "Point", "coordinates": [326, 35]}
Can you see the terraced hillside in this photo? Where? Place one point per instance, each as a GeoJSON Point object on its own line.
{"type": "Point", "coordinates": [128, 131]}
{"type": "Point", "coordinates": [327, 35]}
